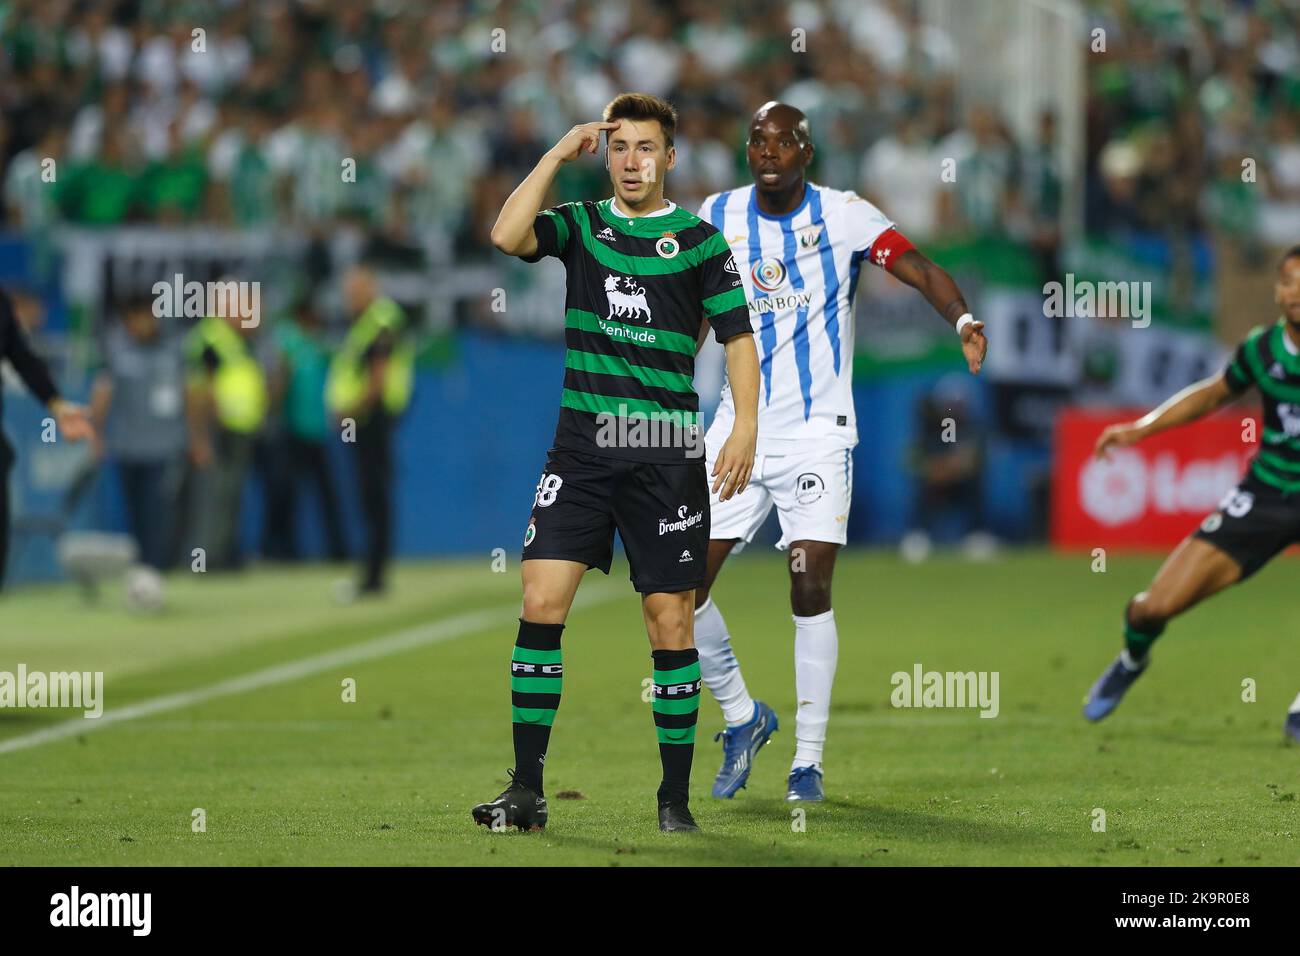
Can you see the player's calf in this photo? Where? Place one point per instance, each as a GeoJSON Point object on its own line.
{"type": "Point", "coordinates": [676, 706]}
{"type": "Point", "coordinates": [1196, 569]}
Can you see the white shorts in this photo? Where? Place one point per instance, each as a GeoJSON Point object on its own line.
{"type": "Point", "coordinates": [811, 487]}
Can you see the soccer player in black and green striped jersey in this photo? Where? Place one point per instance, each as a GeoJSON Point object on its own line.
{"type": "Point", "coordinates": [1255, 520]}
{"type": "Point", "coordinates": [646, 280]}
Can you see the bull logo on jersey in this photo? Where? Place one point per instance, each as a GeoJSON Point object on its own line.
{"type": "Point", "coordinates": [1290, 415]}
{"type": "Point", "coordinates": [628, 304]}
{"type": "Point", "coordinates": [768, 274]}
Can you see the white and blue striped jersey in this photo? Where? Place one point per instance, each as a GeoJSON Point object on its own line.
{"type": "Point", "coordinates": [800, 273]}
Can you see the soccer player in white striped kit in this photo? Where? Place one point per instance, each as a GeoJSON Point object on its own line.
{"type": "Point", "coordinates": [799, 247]}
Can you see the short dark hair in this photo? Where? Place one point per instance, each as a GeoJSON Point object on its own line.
{"type": "Point", "coordinates": [1292, 253]}
{"type": "Point", "coordinates": [643, 106]}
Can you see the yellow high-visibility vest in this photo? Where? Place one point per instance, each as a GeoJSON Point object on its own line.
{"type": "Point", "coordinates": [348, 375]}
{"type": "Point", "coordinates": [239, 387]}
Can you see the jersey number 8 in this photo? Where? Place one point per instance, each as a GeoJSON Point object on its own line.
{"type": "Point", "coordinates": [1237, 504]}
{"type": "Point", "coordinates": [547, 488]}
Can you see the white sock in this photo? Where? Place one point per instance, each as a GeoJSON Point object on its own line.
{"type": "Point", "coordinates": [1295, 705]}
{"type": "Point", "coordinates": [719, 667]}
{"type": "Point", "coordinates": [816, 648]}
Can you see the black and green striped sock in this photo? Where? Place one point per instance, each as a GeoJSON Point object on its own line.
{"type": "Point", "coordinates": [676, 705]}
{"type": "Point", "coordinates": [536, 679]}
{"type": "Point", "coordinates": [1138, 641]}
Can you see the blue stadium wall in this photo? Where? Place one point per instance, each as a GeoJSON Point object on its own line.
{"type": "Point", "coordinates": [472, 445]}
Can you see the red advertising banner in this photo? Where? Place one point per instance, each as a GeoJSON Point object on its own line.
{"type": "Point", "coordinates": [1148, 495]}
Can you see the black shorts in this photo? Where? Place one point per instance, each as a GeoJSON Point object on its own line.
{"type": "Point", "coordinates": [661, 513]}
{"type": "Point", "coordinates": [1254, 522]}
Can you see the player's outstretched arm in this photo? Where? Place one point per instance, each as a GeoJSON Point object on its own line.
{"type": "Point", "coordinates": [73, 422]}
{"type": "Point", "coordinates": [513, 231]}
{"type": "Point", "coordinates": [941, 292]}
{"type": "Point", "coordinates": [1199, 398]}
{"type": "Point", "coordinates": [736, 460]}
{"type": "Point", "coordinates": [73, 419]}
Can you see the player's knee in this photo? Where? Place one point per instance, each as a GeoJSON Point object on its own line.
{"type": "Point", "coordinates": [543, 605]}
{"type": "Point", "coordinates": [670, 627]}
{"type": "Point", "coordinates": [1148, 610]}
{"type": "Point", "coordinates": [809, 594]}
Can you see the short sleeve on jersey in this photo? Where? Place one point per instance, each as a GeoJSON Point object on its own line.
{"type": "Point", "coordinates": [552, 230]}
{"type": "Point", "coordinates": [722, 292]}
{"type": "Point", "coordinates": [1238, 372]}
{"type": "Point", "coordinates": [866, 223]}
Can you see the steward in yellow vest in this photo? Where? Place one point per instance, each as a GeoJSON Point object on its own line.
{"type": "Point", "coordinates": [376, 363]}
{"type": "Point", "coordinates": [368, 388]}
{"type": "Point", "coordinates": [226, 401]}
{"type": "Point", "coordinates": [221, 362]}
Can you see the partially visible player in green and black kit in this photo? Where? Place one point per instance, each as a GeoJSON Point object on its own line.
{"type": "Point", "coordinates": [1255, 520]}
{"type": "Point", "coordinates": [72, 420]}
{"type": "Point", "coordinates": [646, 280]}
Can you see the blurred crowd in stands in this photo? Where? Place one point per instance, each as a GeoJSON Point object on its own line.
{"type": "Point", "coordinates": [408, 124]}
{"type": "Point", "coordinates": [444, 106]}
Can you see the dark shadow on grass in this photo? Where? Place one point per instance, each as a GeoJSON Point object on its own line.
{"type": "Point", "coordinates": [27, 718]}
{"type": "Point", "coordinates": [701, 849]}
{"type": "Point", "coordinates": [860, 817]}
{"type": "Point", "coordinates": [867, 835]}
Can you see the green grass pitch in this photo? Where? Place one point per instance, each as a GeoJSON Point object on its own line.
{"type": "Point", "coordinates": [287, 772]}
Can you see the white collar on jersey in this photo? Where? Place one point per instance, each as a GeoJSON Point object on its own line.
{"type": "Point", "coordinates": [1290, 346]}
{"type": "Point", "coordinates": [613, 205]}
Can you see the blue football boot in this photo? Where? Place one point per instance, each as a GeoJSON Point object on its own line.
{"type": "Point", "coordinates": [1109, 689]}
{"type": "Point", "coordinates": [1292, 726]}
{"type": "Point", "coordinates": [739, 747]}
{"type": "Point", "coordinates": [805, 784]}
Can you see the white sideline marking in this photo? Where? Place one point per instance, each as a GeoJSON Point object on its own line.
{"type": "Point", "coordinates": [419, 636]}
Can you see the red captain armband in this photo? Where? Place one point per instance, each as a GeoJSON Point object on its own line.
{"type": "Point", "coordinates": [887, 249]}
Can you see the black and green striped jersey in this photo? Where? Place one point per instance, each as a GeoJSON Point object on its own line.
{"type": "Point", "coordinates": [638, 293]}
{"type": "Point", "coordinates": [1266, 361]}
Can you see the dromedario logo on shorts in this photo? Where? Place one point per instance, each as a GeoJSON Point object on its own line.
{"type": "Point", "coordinates": [1122, 489]}
{"type": "Point", "coordinates": [683, 521]}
